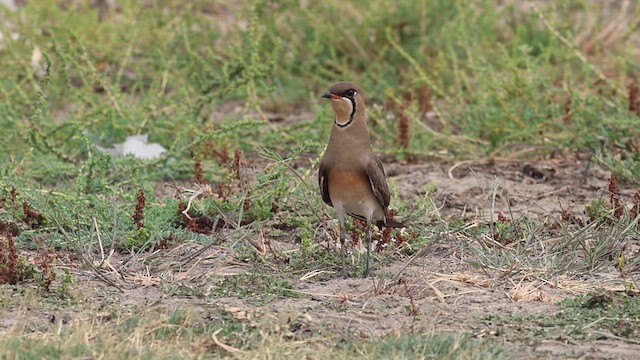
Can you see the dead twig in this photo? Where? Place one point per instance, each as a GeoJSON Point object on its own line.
{"type": "Point", "coordinates": [615, 337]}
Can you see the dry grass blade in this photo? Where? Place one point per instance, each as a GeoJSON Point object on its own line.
{"type": "Point", "coordinates": [224, 346]}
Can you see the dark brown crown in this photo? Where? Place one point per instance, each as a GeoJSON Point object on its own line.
{"type": "Point", "coordinates": [344, 89]}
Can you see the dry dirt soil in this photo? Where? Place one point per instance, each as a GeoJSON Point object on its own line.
{"type": "Point", "coordinates": [438, 291]}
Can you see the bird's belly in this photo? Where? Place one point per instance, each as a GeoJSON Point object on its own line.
{"type": "Point", "coordinates": [352, 192]}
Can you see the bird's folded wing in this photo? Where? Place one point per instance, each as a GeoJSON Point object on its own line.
{"type": "Point", "coordinates": [323, 181]}
{"type": "Point", "coordinates": [378, 181]}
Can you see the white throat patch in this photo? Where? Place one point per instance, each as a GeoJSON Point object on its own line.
{"type": "Point", "coordinates": [346, 108]}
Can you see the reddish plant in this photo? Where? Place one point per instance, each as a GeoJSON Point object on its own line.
{"type": "Point", "coordinates": [386, 232]}
{"type": "Point", "coordinates": [384, 239]}
{"type": "Point", "coordinates": [425, 100]}
{"type": "Point", "coordinates": [566, 118]}
{"type": "Point", "coordinates": [9, 227]}
{"type": "Point", "coordinates": [400, 240]}
{"type": "Point", "coordinates": [503, 218]}
{"type": "Point", "coordinates": [274, 207]}
{"type": "Point", "coordinates": [246, 204]}
{"type": "Point", "coordinates": [164, 242]}
{"type": "Point", "coordinates": [389, 104]}
{"type": "Point", "coordinates": [44, 262]}
{"type": "Point", "coordinates": [566, 214]}
{"type": "Point", "coordinates": [14, 195]}
{"type": "Point", "coordinates": [188, 220]}
{"type": "Point", "coordinates": [356, 240]}
{"type": "Point", "coordinates": [577, 221]}
{"type": "Point", "coordinates": [569, 217]}
{"type": "Point", "coordinates": [14, 200]}
{"type": "Point", "coordinates": [198, 171]}
{"type": "Point", "coordinates": [199, 224]}
{"type": "Point", "coordinates": [222, 155]}
{"type": "Point", "coordinates": [223, 191]}
{"type": "Point", "coordinates": [31, 217]}
{"type": "Point", "coordinates": [403, 126]}
{"type": "Point", "coordinates": [138, 216]}
{"type": "Point", "coordinates": [618, 209]}
{"type": "Point", "coordinates": [207, 148]}
{"type": "Point", "coordinates": [634, 104]}
{"type": "Point", "coordinates": [8, 261]}
{"type": "Point", "coordinates": [237, 164]}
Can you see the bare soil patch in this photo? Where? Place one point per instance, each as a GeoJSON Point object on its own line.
{"type": "Point", "coordinates": [437, 292]}
{"type": "Point", "coordinates": [540, 188]}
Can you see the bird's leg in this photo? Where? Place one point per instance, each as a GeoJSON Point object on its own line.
{"type": "Point", "coordinates": [343, 250]}
{"type": "Point", "coordinates": [368, 239]}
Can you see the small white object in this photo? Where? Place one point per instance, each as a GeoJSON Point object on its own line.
{"type": "Point", "coordinates": [36, 59]}
{"type": "Point", "coordinates": [138, 146]}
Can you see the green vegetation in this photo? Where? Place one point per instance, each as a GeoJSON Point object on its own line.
{"type": "Point", "coordinates": [182, 334]}
{"type": "Point", "coordinates": [597, 315]}
{"type": "Point", "coordinates": [232, 92]}
{"type": "Point", "coordinates": [255, 287]}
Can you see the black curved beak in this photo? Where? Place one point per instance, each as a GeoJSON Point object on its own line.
{"type": "Point", "coordinates": [329, 95]}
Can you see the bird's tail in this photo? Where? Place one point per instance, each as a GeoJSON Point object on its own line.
{"type": "Point", "coordinates": [391, 223]}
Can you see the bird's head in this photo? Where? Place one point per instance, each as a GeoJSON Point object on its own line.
{"type": "Point", "coordinates": [347, 102]}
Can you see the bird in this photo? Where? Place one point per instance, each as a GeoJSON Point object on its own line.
{"type": "Point", "coordinates": [350, 176]}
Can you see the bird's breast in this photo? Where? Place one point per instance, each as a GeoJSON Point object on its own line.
{"type": "Point", "coordinates": [352, 191]}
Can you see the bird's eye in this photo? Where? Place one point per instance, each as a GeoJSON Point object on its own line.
{"type": "Point", "coordinates": [350, 93]}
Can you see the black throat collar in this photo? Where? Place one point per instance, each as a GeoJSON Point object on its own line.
{"type": "Point", "coordinates": [353, 112]}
